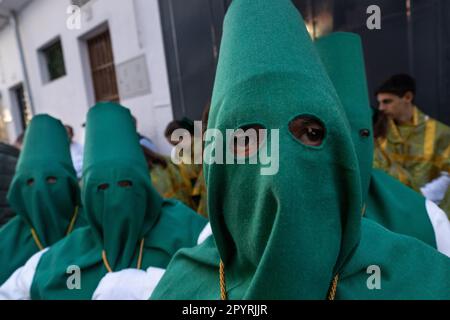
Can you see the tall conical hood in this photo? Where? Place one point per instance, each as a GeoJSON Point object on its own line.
{"type": "Point", "coordinates": [119, 200]}
{"type": "Point", "coordinates": [286, 234]}
{"type": "Point", "coordinates": [44, 191]}
{"type": "Point", "coordinates": [343, 57]}
{"type": "Point", "coordinates": [45, 141]}
{"type": "Point", "coordinates": [111, 136]}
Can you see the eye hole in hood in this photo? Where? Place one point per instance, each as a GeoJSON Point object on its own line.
{"type": "Point", "coordinates": [51, 180]}
{"type": "Point", "coordinates": [125, 184]}
{"type": "Point", "coordinates": [309, 130]}
{"type": "Point", "coordinates": [103, 187]}
{"type": "Point", "coordinates": [365, 133]}
{"type": "Point", "coordinates": [247, 140]}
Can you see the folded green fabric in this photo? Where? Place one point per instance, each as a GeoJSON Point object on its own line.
{"type": "Point", "coordinates": [44, 194]}
{"type": "Point", "coordinates": [288, 236]}
{"type": "Point", "coordinates": [389, 202]}
{"type": "Point", "coordinates": [129, 224]}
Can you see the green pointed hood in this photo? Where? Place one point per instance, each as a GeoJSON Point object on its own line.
{"type": "Point", "coordinates": [343, 57]}
{"type": "Point", "coordinates": [120, 202]}
{"type": "Point", "coordinates": [392, 252]}
{"type": "Point", "coordinates": [300, 207]}
{"type": "Point", "coordinates": [130, 225]}
{"type": "Point", "coordinates": [44, 194]}
{"type": "Point", "coordinates": [44, 191]}
{"type": "Point", "coordinates": [303, 221]}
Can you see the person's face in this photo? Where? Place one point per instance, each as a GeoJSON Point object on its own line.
{"type": "Point", "coordinates": [394, 106]}
{"type": "Point", "coordinates": [184, 141]}
{"type": "Point", "coordinates": [172, 142]}
{"type": "Point", "coordinates": [69, 134]}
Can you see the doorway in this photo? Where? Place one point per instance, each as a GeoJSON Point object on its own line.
{"type": "Point", "coordinates": [102, 67]}
{"type": "Point", "coordinates": [3, 131]}
{"type": "Point", "coordinates": [21, 113]}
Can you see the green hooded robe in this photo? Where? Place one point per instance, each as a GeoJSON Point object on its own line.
{"type": "Point", "coordinates": [390, 203]}
{"type": "Point", "coordinates": [287, 236]}
{"type": "Point", "coordinates": [44, 194]}
{"type": "Point", "coordinates": [129, 224]}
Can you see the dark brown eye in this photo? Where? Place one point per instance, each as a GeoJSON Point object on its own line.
{"type": "Point", "coordinates": [30, 182]}
{"type": "Point", "coordinates": [308, 130]}
{"type": "Point", "coordinates": [247, 139]}
{"type": "Point", "coordinates": [125, 184]}
{"type": "Point", "coordinates": [51, 180]}
{"type": "Point", "coordinates": [103, 186]}
{"type": "Point", "coordinates": [365, 133]}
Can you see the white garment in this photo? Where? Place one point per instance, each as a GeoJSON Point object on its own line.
{"type": "Point", "coordinates": [18, 286]}
{"type": "Point", "coordinates": [436, 189]}
{"type": "Point", "coordinates": [441, 226]}
{"type": "Point", "coordinates": [128, 284]}
{"type": "Point", "coordinates": [206, 232]}
{"type": "Point", "coordinates": [146, 142]}
{"type": "Point", "coordinates": [77, 153]}
{"type": "Point", "coordinates": [134, 284]}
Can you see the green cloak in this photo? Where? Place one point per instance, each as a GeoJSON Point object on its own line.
{"type": "Point", "coordinates": [287, 236]}
{"type": "Point", "coordinates": [44, 193]}
{"type": "Point", "coordinates": [123, 210]}
{"type": "Point", "coordinates": [389, 202]}
{"type": "Point", "coordinates": [270, 74]}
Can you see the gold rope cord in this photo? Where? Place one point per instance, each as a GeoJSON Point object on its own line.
{"type": "Point", "coordinates": [139, 262]}
{"type": "Point", "coordinates": [72, 222]}
{"type": "Point", "coordinates": [333, 289]}
{"type": "Point", "coordinates": [69, 230]}
{"type": "Point", "coordinates": [223, 287]}
{"type": "Point", "coordinates": [141, 249]}
{"type": "Point", "coordinates": [36, 239]}
{"type": "Point", "coordinates": [331, 294]}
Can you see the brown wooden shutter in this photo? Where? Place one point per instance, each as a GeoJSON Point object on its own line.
{"type": "Point", "coordinates": [103, 69]}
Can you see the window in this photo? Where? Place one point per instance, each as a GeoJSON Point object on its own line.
{"type": "Point", "coordinates": [53, 60]}
{"type": "Point", "coordinates": [102, 68]}
{"type": "Point", "coordinates": [80, 3]}
{"type": "Point", "coordinates": [3, 132]}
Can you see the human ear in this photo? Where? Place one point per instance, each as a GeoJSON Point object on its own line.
{"type": "Point", "coordinates": [409, 97]}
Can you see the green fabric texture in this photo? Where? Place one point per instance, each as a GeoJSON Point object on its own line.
{"type": "Point", "coordinates": [405, 263]}
{"type": "Point", "coordinates": [389, 202]}
{"type": "Point", "coordinates": [118, 216]}
{"type": "Point", "coordinates": [286, 236]}
{"type": "Point", "coordinates": [342, 56]}
{"type": "Point", "coordinates": [409, 268]}
{"type": "Point", "coordinates": [39, 203]}
{"type": "Point", "coordinates": [121, 207]}
{"type": "Point", "coordinates": [268, 74]}
{"type": "Point", "coordinates": [399, 208]}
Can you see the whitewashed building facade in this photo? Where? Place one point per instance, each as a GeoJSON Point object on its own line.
{"type": "Point", "coordinates": [110, 49]}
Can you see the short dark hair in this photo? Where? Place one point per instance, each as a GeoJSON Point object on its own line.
{"type": "Point", "coordinates": [185, 123]}
{"type": "Point", "coordinates": [69, 129]}
{"type": "Point", "coordinates": [19, 139]}
{"type": "Point", "coordinates": [399, 85]}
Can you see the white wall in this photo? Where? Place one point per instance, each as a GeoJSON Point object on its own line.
{"type": "Point", "coordinates": [135, 29]}
{"type": "Point", "coordinates": [10, 76]}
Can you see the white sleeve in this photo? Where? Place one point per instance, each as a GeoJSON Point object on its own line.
{"type": "Point", "coordinates": [134, 284]}
{"type": "Point", "coordinates": [206, 232]}
{"type": "Point", "coordinates": [441, 226]}
{"type": "Point", "coordinates": [18, 286]}
{"type": "Point", "coordinates": [76, 151]}
{"type": "Point", "coordinates": [436, 189]}
{"type": "Point", "coordinates": [128, 284]}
